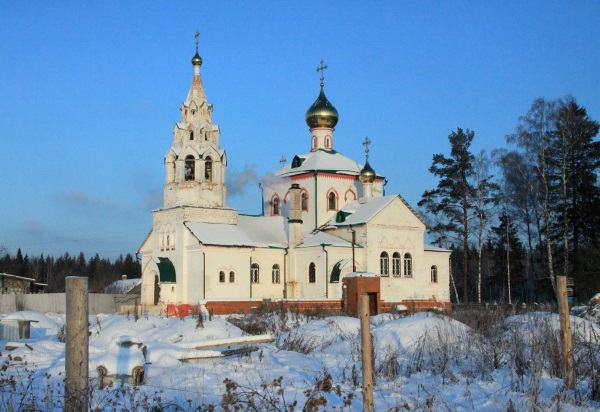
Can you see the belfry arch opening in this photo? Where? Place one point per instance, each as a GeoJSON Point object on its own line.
{"type": "Point", "coordinates": [208, 169]}
{"type": "Point", "coordinates": [190, 167]}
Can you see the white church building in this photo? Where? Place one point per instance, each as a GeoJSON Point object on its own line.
{"type": "Point", "coordinates": [324, 217]}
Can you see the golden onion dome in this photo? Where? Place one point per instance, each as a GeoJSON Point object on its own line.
{"type": "Point", "coordinates": [321, 113]}
{"type": "Point", "coordinates": [197, 60]}
{"type": "Point", "coordinates": [367, 174]}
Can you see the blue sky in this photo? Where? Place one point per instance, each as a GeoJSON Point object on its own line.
{"type": "Point", "coordinates": [90, 91]}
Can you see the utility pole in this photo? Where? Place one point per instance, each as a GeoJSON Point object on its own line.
{"type": "Point", "coordinates": [77, 349]}
{"type": "Point", "coordinates": [367, 358]}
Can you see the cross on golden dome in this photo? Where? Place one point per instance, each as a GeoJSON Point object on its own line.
{"type": "Point", "coordinates": [321, 69]}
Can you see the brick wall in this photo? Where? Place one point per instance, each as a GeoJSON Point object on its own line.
{"type": "Point", "coordinates": [226, 307]}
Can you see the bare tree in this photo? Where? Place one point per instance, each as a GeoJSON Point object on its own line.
{"type": "Point", "coordinates": [533, 137]}
{"type": "Point", "coordinates": [484, 201]}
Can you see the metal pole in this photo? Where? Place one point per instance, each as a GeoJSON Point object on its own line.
{"type": "Point", "coordinates": [367, 359]}
{"type": "Point", "coordinates": [77, 349]}
{"type": "Point", "coordinates": [353, 242]}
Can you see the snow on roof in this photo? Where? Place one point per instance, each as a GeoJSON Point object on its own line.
{"type": "Point", "coordinates": [269, 230]}
{"type": "Point", "coordinates": [322, 238]}
{"type": "Point", "coordinates": [431, 248]}
{"type": "Point", "coordinates": [8, 275]}
{"type": "Point", "coordinates": [362, 212]}
{"type": "Point", "coordinates": [251, 231]}
{"type": "Point", "coordinates": [122, 286]}
{"type": "Point", "coordinates": [322, 160]}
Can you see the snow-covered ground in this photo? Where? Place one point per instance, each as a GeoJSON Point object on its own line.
{"type": "Point", "coordinates": [422, 362]}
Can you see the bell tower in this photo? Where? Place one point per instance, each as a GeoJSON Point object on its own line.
{"type": "Point", "coordinates": [195, 164]}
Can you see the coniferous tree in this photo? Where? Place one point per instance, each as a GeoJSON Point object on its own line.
{"type": "Point", "coordinates": [453, 195]}
{"type": "Point", "coordinates": [575, 162]}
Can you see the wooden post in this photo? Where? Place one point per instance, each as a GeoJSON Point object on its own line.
{"type": "Point", "coordinates": [565, 332]}
{"type": "Point", "coordinates": [366, 350]}
{"type": "Point", "coordinates": [77, 349]}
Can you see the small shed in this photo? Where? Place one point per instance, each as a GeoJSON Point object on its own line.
{"type": "Point", "coordinates": [361, 283]}
{"type": "Point", "coordinates": [15, 329]}
{"type": "Point", "coordinates": [19, 284]}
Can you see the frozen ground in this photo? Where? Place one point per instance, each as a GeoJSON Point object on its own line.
{"type": "Point", "coordinates": [422, 362]}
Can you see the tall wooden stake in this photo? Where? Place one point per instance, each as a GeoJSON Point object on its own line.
{"type": "Point", "coordinates": [77, 349]}
{"type": "Point", "coordinates": [565, 331]}
{"type": "Point", "coordinates": [367, 359]}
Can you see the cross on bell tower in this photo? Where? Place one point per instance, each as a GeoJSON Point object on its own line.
{"type": "Point", "coordinates": [366, 144]}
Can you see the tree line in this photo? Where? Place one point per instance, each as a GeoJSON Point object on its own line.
{"type": "Point", "coordinates": [520, 216]}
{"type": "Point", "coordinates": [53, 271]}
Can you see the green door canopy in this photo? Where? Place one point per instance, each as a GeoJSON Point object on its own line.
{"type": "Point", "coordinates": [335, 272]}
{"type": "Point", "coordinates": [166, 270]}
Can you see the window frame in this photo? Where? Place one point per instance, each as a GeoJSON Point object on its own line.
{"type": "Point", "coordinates": [332, 200]}
{"type": "Point", "coordinates": [312, 273]}
{"type": "Point", "coordinates": [275, 274]}
{"type": "Point", "coordinates": [304, 201]}
{"type": "Point", "coordinates": [275, 205]}
{"type": "Point", "coordinates": [254, 273]}
{"type": "Point", "coordinates": [384, 264]}
{"type": "Point", "coordinates": [408, 265]}
{"type": "Point", "coordinates": [396, 265]}
{"type": "Point", "coordinates": [434, 274]}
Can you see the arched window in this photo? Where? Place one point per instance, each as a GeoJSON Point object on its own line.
{"type": "Point", "coordinates": [312, 273]}
{"type": "Point", "coordinates": [275, 206]}
{"type": "Point", "coordinates": [191, 135]}
{"type": "Point", "coordinates": [190, 167]}
{"type": "Point", "coordinates": [384, 264]}
{"type": "Point", "coordinates": [396, 264]}
{"type": "Point", "coordinates": [331, 201]}
{"type": "Point", "coordinates": [231, 277]}
{"type": "Point", "coordinates": [254, 273]}
{"type": "Point", "coordinates": [408, 266]}
{"type": "Point", "coordinates": [222, 277]}
{"type": "Point", "coordinates": [434, 278]}
{"type": "Point", "coordinates": [327, 142]}
{"type": "Point", "coordinates": [314, 142]}
{"type": "Point", "coordinates": [304, 200]}
{"type": "Point", "coordinates": [208, 171]}
{"type": "Point", "coordinates": [275, 273]}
